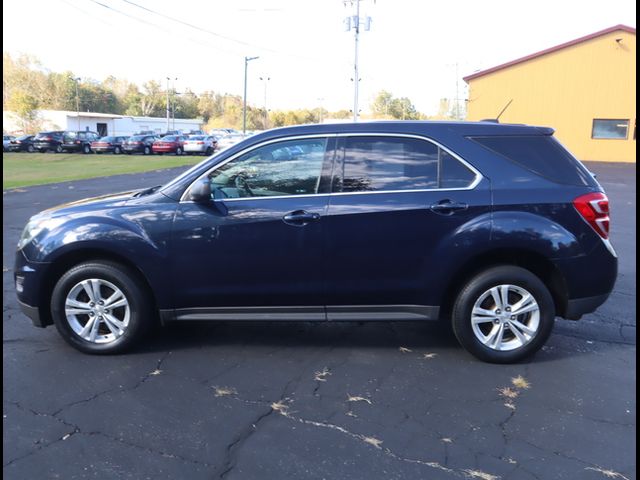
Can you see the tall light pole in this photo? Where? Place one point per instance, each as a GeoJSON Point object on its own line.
{"type": "Point", "coordinates": [168, 106]}
{"type": "Point", "coordinates": [353, 23]}
{"type": "Point", "coordinates": [77, 80]}
{"type": "Point", "coordinates": [244, 103]}
{"type": "Point", "coordinates": [266, 112]}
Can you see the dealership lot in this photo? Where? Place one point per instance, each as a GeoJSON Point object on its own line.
{"type": "Point", "coordinates": [276, 400]}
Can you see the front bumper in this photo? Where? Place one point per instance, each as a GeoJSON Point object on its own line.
{"type": "Point", "coordinates": [29, 281]}
{"type": "Point", "coordinates": [33, 313]}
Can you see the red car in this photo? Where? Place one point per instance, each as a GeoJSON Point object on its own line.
{"type": "Point", "coordinates": [169, 144]}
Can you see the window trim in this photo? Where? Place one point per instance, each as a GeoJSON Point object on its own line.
{"type": "Point", "coordinates": [626, 137]}
{"type": "Point", "coordinates": [478, 176]}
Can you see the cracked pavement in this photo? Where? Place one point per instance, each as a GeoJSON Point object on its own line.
{"type": "Point", "coordinates": [303, 400]}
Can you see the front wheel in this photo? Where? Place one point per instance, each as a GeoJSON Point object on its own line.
{"type": "Point", "coordinates": [178, 151]}
{"type": "Point", "coordinates": [30, 148]}
{"type": "Point", "coordinates": [117, 151]}
{"type": "Point", "coordinates": [100, 307]}
{"type": "Point", "coordinates": [86, 149]}
{"type": "Point", "coordinates": [503, 315]}
{"type": "Point", "coordinates": [147, 150]}
{"type": "Point", "coordinates": [59, 149]}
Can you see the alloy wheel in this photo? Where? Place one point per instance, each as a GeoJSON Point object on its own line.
{"type": "Point", "coordinates": [97, 311]}
{"type": "Point", "coordinates": [505, 317]}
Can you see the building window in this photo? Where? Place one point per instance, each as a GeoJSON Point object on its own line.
{"type": "Point", "coordinates": [611, 129]}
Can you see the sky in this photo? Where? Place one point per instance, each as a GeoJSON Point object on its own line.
{"type": "Point", "coordinates": [415, 49]}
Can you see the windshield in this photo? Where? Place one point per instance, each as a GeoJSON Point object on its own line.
{"type": "Point", "coordinates": [107, 139]}
{"type": "Point", "coordinates": [169, 138]}
{"type": "Point", "coordinates": [137, 138]}
{"type": "Point", "coordinates": [196, 137]}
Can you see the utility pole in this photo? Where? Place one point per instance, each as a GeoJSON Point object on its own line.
{"type": "Point", "coordinates": [353, 23]}
{"type": "Point", "coordinates": [77, 80]}
{"type": "Point", "coordinates": [321, 100]}
{"type": "Point", "coordinates": [457, 95]}
{"type": "Point", "coordinates": [244, 103]}
{"type": "Point", "coordinates": [266, 112]}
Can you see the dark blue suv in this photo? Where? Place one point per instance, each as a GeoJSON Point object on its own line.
{"type": "Point", "coordinates": [496, 228]}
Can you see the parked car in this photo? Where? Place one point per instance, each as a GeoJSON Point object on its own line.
{"type": "Point", "coordinates": [169, 144]}
{"type": "Point", "coordinates": [109, 144]}
{"type": "Point", "coordinates": [6, 140]}
{"type": "Point", "coordinates": [45, 141]}
{"type": "Point", "coordinates": [221, 132]}
{"type": "Point", "coordinates": [204, 144]}
{"type": "Point", "coordinates": [229, 140]}
{"type": "Point", "coordinates": [170, 132]}
{"type": "Point", "coordinates": [73, 141]}
{"type": "Point", "coordinates": [23, 143]}
{"type": "Point", "coordinates": [494, 228]}
{"type": "Point", "coordinates": [139, 144]}
{"type": "Point", "coordinates": [190, 133]}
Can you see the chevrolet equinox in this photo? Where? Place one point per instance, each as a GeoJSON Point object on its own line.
{"type": "Point", "coordinates": [495, 228]}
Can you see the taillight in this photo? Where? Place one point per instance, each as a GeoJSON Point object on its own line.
{"type": "Point", "coordinates": [200, 143]}
{"type": "Point", "coordinates": [594, 208]}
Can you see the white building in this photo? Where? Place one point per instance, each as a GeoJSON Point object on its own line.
{"type": "Point", "coordinates": [102, 123]}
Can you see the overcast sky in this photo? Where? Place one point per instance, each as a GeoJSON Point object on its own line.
{"type": "Point", "coordinates": [412, 48]}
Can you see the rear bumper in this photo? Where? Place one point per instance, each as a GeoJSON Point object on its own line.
{"type": "Point", "coordinates": [581, 306]}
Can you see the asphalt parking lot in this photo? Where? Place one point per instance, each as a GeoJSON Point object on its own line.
{"type": "Point", "coordinates": [321, 401]}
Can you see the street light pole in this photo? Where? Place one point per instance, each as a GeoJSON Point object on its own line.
{"type": "Point", "coordinates": [244, 103]}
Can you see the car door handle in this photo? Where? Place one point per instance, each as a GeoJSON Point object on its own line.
{"type": "Point", "coordinates": [448, 207]}
{"type": "Point", "coordinates": [300, 218]}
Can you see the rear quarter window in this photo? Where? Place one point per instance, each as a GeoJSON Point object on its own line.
{"type": "Point", "coordinates": [542, 155]}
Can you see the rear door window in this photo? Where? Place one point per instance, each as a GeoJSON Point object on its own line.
{"type": "Point", "coordinates": [374, 163]}
{"type": "Point", "coordinates": [542, 155]}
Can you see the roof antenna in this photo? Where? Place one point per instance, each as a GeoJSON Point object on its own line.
{"type": "Point", "coordinates": [502, 111]}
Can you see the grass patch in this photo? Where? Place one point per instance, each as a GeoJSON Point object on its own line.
{"type": "Point", "coordinates": [27, 169]}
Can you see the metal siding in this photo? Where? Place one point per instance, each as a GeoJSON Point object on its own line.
{"type": "Point", "coordinates": [566, 90]}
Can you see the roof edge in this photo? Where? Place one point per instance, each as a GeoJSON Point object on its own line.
{"type": "Point", "coordinates": [570, 43]}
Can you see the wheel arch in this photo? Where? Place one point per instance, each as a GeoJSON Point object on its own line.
{"type": "Point", "coordinates": [530, 260]}
{"type": "Point", "coordinates": [69, 259]}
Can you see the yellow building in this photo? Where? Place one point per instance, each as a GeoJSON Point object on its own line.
{"type": "Point", "coordinates": [585, 89]}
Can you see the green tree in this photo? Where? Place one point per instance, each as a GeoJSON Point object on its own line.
{"type": "Point", "coordinates": [24, 106]}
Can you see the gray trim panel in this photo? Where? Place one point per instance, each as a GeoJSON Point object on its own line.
{"type": "Point", "coordinates": [304, 313]}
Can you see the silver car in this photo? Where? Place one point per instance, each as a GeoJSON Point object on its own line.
{"type": "Point", "coordinates": [202, 144]}
{"type": "Point", "coordinates": [229, 140]}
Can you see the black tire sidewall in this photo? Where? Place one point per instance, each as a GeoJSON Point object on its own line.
{"type": "Point", "coordinates": [117, 151]}
{"type": "Point", "coordinates": [461, 317]}
{"type": "Point", "coordinates": [125, 280]}
{"type": "Point", "coordinates": [147, 150]}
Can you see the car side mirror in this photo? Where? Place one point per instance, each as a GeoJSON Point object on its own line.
{"type": "Point", "coordinates": [200, 192]}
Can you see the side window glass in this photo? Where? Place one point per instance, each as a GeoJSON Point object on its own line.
{"type": "Point", "coordinates": [387, 163]}
{"type": "Point", "coordinates": [454, 173]}
{"type": "Point", "coordinates": [286, 168]}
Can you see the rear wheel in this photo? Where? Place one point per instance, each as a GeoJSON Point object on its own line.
{"type": "Point", "coordinates": [86, 149]}
{"type": "Point", "coordinates": [147, 150]}
{"type": "Point", "coordinates": [503, 315]}
{"type": "Point", "coordinates": [99, 307]}
{"type": "Point", "coordinates": [30, 148]}
{"type": "Point", "coordinates": [178, 151]}
{"type": "Point", "coordinates": [209, 151]}
{"type": "Point", "coordinates": [117, 151]}
{"type": "Point", "coordinates": [59, 149]}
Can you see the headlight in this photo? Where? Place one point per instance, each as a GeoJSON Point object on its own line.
{"type": "Point", "coordinates": [35, 227]}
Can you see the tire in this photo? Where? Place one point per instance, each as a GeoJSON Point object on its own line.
{"type": "Point", "coordinates": [86, 149]}
{"type": "Point", "coordinates": [30, 148]}
{"type": "Point", "coordinates": [134, 318]}
{"type": "Point", "coordinates": [117, 151]}
{"type": "Point", "coordinates": [147, 150]}
{"type": "Point", "coordinates": [178, 151]}
{"type": "Point", "coordinates": [534, 325]}
{"type": "Point", "coordinates": [59, 149]}
{"type": "Point", "coordinates": [209, 152]}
